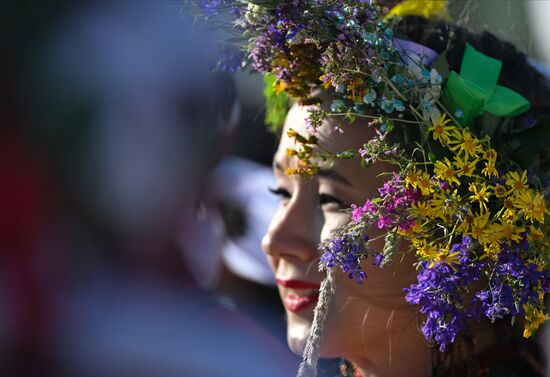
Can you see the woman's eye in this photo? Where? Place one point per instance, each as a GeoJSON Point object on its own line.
{"type": "Point", "coordinates": [281, 193]}
{"type": "Point", "coordinates": [331, 202]}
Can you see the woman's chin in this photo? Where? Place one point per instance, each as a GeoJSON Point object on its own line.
{"type": "Point", "coordinates": [297, 335]}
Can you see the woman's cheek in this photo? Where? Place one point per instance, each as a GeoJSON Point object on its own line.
{"type": "Point", "coordinates": [333, 221]}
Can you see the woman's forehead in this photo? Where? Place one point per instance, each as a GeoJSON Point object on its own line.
{"type": "Point", "coordinates": [355, 135]}
{"type": "Point", "coordinates": [330, 137]}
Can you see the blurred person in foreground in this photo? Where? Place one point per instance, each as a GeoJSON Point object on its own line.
{"type": "Point", "coordinates": [132, 120]}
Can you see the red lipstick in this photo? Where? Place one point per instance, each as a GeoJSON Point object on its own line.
{"type": "Point", "coordinates": [298, 284]}
{"type": "Point", "coordinates": [297, 303]}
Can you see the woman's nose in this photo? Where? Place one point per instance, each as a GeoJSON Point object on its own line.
{"type": "Point", "coordinates": [293, 232]}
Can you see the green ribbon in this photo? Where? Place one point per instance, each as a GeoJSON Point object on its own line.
{"type": "Point", "coordinates": [475, 91]}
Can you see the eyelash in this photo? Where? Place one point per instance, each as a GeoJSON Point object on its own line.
{"type": "Point", "coordinates": [324, 199]}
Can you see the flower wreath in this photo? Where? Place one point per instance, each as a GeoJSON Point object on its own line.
{"type": "Point", "coordinates": [469, 199]}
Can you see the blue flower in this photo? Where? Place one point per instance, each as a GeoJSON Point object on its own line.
{"type": "Point", "coordinates": [398, 105]}
{"type": "Point", "coordinates": [370, 97]}
{"type": "Point", "coordinates": [337, 106]}
{"type": "Point", "coordinates": [387, 105]}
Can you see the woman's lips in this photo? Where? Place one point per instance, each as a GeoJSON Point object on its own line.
{"type": "Point", "coordinates": [303, 295]}
{"type": "Point", "coordinates": [296, 303]}
{"type": "Point", "coordinates": [297, 284]}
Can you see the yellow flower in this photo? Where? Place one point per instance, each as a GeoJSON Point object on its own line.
{"type": "Point", "coordinates": [440, 130]}
{"type": "Point", "coordinates": [464, 167]}
{"type": "Point", "coordinates": [421, 209]}
{"type": "Point", "coordinates": [510, 231]}
{"type": "Point", "coordinates": [325, 83]}
{"type": "Point", "coordinates": [480, 194]}
{"type": "Point", "coordinates": [533, 319]}
{"type": "Point", "coordinates": [489, 170]}
{"type": "Point", "coordinates": [413, 230]}
{"type": "Point", "coordinates": [430, 9]}
{"type": "Point", "coordinates": [466, 223]}
{"type": "Point", "coordinates": [535, 234]}
{"type": "Point", "coordinates": [446, 172]}
{"type": "Point", "coordinates": [491, 234]}
{"type": "Point", "coordinates": [532, 207]}
{"type": "Point", "coordinates": [420, 179]}
{"type": "Point", "coordinates": [479, 224]}
{"type": "Point", "coordinates": [465, 143]}
{"type": "Point", "coordinates": [444, 205]}
{"type": "Point", "coordinates": [516, 182]}
{"type": "Point", "coordinates": [412, 177]}
{"type": "Point", "coordinates": [425, 250]}
{"type": "Point", "coordinates": [491, 250]}
{"type": "Point", "coordinates": [500, 191]}
{"type": "Point", "coordinates": [509, 215]}
{"type": "Point", "coordinates": [490, 156]}
{"type": "Point", "coordinates": [291, 133]}
{"type": "Point", "coordinates": [444, 255]}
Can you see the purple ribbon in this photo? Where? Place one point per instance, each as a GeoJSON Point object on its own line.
{"type": "Point", "coordinates": [406, 48]}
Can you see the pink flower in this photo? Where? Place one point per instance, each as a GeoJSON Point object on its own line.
{"type": "Point", "coordinates": [384, 222]}
{"type": "Point", "coordinates": [358, 212]}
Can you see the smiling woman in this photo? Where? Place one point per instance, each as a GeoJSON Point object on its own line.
{"type": "Point", "coordinates": [367, 323]}
{"type": "Point", "coordinates": [412, 233]}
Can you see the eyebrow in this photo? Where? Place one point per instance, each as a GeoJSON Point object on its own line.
{"type": "Point", "coordinates": [326, 173]}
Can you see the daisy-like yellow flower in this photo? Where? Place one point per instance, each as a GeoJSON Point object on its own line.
{"type": "Point", "coordinates": [533, 207]}
{"type": "Point", "coordinates": [500, 191]}
{"type": "Point", "coordinates": [425, 183]}
{"type": "Point", "coordinates": [516, 182]}
{"type": "Point", "coordinates": [491, 234]}
{"type": "Point", "coordinates": [412, 231]}
{"type": "Point", "coordinates": [444, 205]}
{"type": "Point", "coordinates": [535, 234]}
{"type": "Point", "coordinates": [421, 209]}
{"type": "Point", "coordinates": [425, 250]}
{"type": "Point", "coordinates": [480, 194]}
{"type": "Point", "coordinates": [508, 230]}
{"type": "Point", "coordinates": [490, 156]}
{"type": "Point", "coordinates": [479, 224]}
{"type": "Point", "coordinates": [491, 250]}
{"type": "Point", "coordinates": [464, 167]}
{"type": "Point", "coordinates": [325, 82]}
{"type": "Point", "coordinates": [446, 172]}
{"type": "Point", "coordinates": [465, 142]}
{"type": "Point", "coordinates": [440, 129]}
{"type": "Point", "coordinates": [534, 317]}
{"type": "Point", "coordinates": [466, 223]}
{"type": "Point", "coordinates": [489, 170]}
{"type": "Point", "coordinates": [446, 256]}
{"type": "Point", "coordinates": [412, 178]}
{"type": "Point", "coordinates": [291, 152]}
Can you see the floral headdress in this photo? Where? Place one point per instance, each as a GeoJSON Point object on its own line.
{"type": "Point", "coordinates": [469, 199]}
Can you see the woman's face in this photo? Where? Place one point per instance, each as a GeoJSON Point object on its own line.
{"type": "Point", "coordinates": [364, 319]}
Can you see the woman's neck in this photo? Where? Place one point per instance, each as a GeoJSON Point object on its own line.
{"type": "Point", "coordinates": [402, 353]}
{"type": "Point", "coordinates": [411, 357]}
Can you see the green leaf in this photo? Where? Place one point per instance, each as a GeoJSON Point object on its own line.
{"type": "Point", "coordinates": [276, 104]}
{"type": "Point", "coordinates": [347, 154]}
{"type": "Point", "coordinates": [387, 124]}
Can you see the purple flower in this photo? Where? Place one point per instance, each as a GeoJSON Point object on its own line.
{"type": "Point", "coordinates": [230, 59]}
{"type": "Point", "coordinates": [439, 294]}
{"type": "Point", "coordinates": [261, 53]}
{"type": "Point", "coordinates": [345, 252]}
{"type": "Point", "coordinates": [513, 284]}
